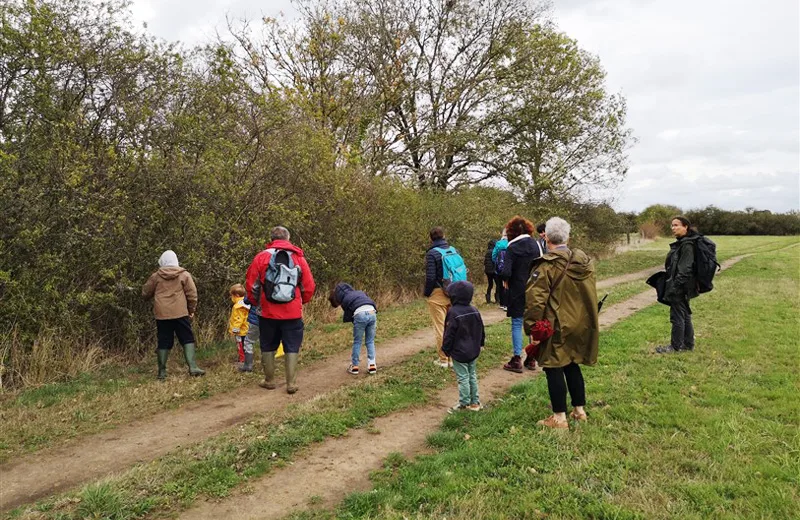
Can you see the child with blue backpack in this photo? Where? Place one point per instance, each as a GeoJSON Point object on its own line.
{"type": "Point", "coordinates": [361, 311]}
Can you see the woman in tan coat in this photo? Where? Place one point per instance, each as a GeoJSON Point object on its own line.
{"type": "Point", "coordinates": [174, 297]}
{"type": "Point", "coordinates": [562, 289]}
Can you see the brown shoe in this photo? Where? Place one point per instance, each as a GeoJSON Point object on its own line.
{"type": "Point", "coordinates": [552, 422]}
{"type": "Point", "coordinates": [515, 365]}
{"type": "Point", "coordinates": [578, 416]}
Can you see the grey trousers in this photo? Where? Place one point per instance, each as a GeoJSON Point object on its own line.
{"type": "Point", "coordinates": [680, 315]}
{"type": "Point", "coordinates": [251, 338]}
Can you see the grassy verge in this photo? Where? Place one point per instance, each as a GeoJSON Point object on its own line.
{"type": "Point", "coordinates": [218, 466]}
{"type": "Point", "coordinates": [709, 434]}
{"type": "Point", "coordinates": [653, 253]}
{"type": "Point", "coordinates": [93, 402]}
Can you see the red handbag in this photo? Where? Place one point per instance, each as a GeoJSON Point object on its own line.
{"type": "Point", "coordinates": [542, 330]}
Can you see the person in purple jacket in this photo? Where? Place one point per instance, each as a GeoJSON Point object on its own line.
{"type": "Point", "coordinates": [361, 311]}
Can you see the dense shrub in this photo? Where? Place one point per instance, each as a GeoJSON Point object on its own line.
{"type": "Point", "coordinates": [716, 221]}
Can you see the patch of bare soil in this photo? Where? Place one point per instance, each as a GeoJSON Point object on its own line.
{"type": "Point", "coordinates": [47, 472]}
{"type": "Point", "coordinates": [336, 467]}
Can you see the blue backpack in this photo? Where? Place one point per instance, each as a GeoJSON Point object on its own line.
{"type": "Point", "coordinates": [501, 261]}
{"type": "Point", "coordinates": [453, 267]}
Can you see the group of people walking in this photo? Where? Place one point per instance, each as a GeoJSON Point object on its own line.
{"type": "Point", "coordinates": [546, 288]}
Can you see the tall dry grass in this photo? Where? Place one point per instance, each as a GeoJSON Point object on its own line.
{"type": "Point", "coordinates": [47, 360]}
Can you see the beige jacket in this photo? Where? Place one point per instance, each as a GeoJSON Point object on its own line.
{"type": "Point", "coordinates": [173, 291]}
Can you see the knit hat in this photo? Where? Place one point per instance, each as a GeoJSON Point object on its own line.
{"type": "Point", "coordinates": [168, 259]}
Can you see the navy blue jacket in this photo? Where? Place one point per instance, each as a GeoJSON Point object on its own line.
{"type": "Point", "coordinates": [255, 312]}
{"type": "Point", "coordinates": [463, 326]}
{"type": "Point", "coordinates": [517, 269]}
{"type": "Point", "coordinates": [433, 266]}
{"type": "Point", "coordinates": [350, 300]}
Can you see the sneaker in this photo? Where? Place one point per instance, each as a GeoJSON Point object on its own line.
{"type": "Point", "coordinates": [552, 422]}
{"type": "Point", "coordinates": [578, 416]}
{"type": "Point", "coordinates": [515, 365]}
{"type": "Point", "coordinates": [442, 364]}
{"type": "Point", "coordinates": [352, 369]}
{"type": "Point", "coordinates": [665, 349]}
{"type": "Point", "coordinates": [476, 407]}
{"type": "Point", "coordinates": [503, 308]}
{"type": "Point", "coordinates": [372, 369]}
{"type": "Point", "coordinates": [456, 407]}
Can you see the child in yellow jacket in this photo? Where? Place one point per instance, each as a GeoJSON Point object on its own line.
{"type": "Point", "coordinates": [237, 325]}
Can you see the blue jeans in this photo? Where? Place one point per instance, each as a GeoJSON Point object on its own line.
{"type": "Point", "coordinates": [364, 324]}
{"type": "Point", "coordinates": [467, 382]}
{"type": "Point", "coordinates": [516, 335]}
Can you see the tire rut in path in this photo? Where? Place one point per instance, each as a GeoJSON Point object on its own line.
{"type": "Point", "coordinates": [41, 474]}
{"type": "Point", "coordinates": [336, 467]}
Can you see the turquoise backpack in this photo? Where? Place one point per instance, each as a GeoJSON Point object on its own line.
{"type": "Point", "coordinates": [453, 267]}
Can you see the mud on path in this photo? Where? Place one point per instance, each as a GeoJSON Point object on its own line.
{"type": "Point", "coordinates": [337, 467]}
{"type": "Point", "coordinates": [47, 472]}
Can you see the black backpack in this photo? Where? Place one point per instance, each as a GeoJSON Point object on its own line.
{"type": "Point", "coordinates": [705, 264]}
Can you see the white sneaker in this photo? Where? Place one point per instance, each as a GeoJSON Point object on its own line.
{"type": "Point", "coordinates": [442, 364]}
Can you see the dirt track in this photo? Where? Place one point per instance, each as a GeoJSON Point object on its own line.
{"type": "Point", "coordinates": [52, 471]}
{"type": "Point", "coordinates": [340, 466]}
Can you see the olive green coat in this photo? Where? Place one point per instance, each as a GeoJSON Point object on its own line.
{"type": "Point", "coordinates": [572, 309]}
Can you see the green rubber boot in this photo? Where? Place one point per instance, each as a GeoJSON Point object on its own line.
{"type": "Point", "coordinates": [268, 364]}
{"type": "Point", "coordinates": [162, 355]}
{"type": "Point", "coordinates": [291, 372]}
{"type": "Point", "coordinates": [188, 354]}
{"type": "Point", "coordinates": [247, 366]}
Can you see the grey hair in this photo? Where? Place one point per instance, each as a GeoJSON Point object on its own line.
{"type": "Point", "coordinates": [557, 231]}
{"type": "Point", "coordinates": [279, 233]}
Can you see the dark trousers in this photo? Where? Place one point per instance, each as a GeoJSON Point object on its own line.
{"type": "Point", "coordinates": [680, 315]}
{"type": "Point", "coordinates": [274, 332]}
{"type": "Point", "coordinates": [502, 292]}
{"type": "Point", "coordinates": [495, 281]}
{"type": "Point", "coordinates": [557, 386]}
{"type": "Point", "coordinates": [168, 329]}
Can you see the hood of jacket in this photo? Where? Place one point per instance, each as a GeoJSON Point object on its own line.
{"type": "Point", "coordinates": [581, 266]}
{"type": "Point", "coordinates": [170, 273]}
{"type": "Point", "coordinates": [168, 259]}
{"type": "Point", "coordinates": [691, 236]}
{"type": "Point", "coordinates": [460, 293]}
{"type": "Point", "coordinates": [285, 245]}
{"type": "Point", "coordinates": [491, 244]}
{"type": "Point", "coordinates": [341, 291]}
{"type": "Point", "coordinates": [524, 246]}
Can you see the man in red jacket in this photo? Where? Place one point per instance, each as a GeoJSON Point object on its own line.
{"type": "Point", "coordinates": [280, 279]}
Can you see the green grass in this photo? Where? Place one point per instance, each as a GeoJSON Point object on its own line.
{"type": "Point", "coordinates": [51, 414]}
{"type": "Point", "coordinates": [653, 253]}
{"type": "Point", "coordinates": [216, 467]}
{"type": "Point", "coordinates": [709, 434]}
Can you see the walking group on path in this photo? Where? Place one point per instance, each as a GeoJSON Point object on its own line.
{"type": "Point", "coordinates": [546, 288]}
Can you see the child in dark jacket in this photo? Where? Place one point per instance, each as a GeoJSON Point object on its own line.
{"type": "Point", "coordinates": [362, 312]}
{"type": "Point", "coordinates": [464, 337]}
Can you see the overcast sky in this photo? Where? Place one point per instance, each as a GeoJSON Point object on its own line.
{"type": "Point", "coordinates": [713, 89]}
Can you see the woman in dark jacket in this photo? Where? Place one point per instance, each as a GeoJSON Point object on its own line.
{"type": "Point", "coordinates": [522, 251]}
{"type": "Point", "coordinates": [681, 285]}
{"type": "Point", "coordinates": [491, 275]}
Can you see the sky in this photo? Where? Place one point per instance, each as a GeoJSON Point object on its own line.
{"type": "Point", "coordinates": [713, 89]}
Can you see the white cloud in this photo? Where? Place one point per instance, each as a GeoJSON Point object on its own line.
{"type": "Point", "coordinates": [712, 86]}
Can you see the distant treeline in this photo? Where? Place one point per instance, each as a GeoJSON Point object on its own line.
{"type": "Point", "coordinates": [712, 220]}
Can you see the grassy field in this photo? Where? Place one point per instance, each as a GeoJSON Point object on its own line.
{"type": "Point", "coordinates": [709, 434]}
{"type": "Point", "coordinates": [653, 420]}
{"type": "Point", "coordinates": [653, 253]}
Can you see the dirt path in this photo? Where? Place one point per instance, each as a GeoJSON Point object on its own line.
{"type": "Point", "coordinates": [630, 277]}
{"type": "Point", "coordinates": [47, 472]}
{"type": "Point", "coordinates": [340, 466]}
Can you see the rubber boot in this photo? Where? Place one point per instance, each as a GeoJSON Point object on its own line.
{"type": "Point", "coordinates": [162, 355]}
{"type": "Point", "coordinates": [248, 363]}
{"type": "Point", "coordinates": [188, 354]}
{"type": "Point", "coordinates": [268, 364]}
{"type": "Point", "coordinates": [290, 359]}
